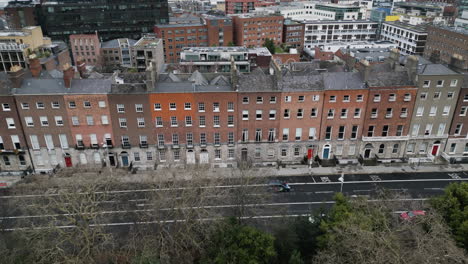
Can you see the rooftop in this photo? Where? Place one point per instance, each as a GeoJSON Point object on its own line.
{"type": "Point", "coordinates": [460, 30]}
{"type": "Point", "coordinates": [115, 43]}
{"type": "Point", "coordinates": [147, 41]}
{"type": "Point", "coordinates": [215, 49]}
{"type": "Point", "coordinates": [338, 22]}
{"type": "Point", "coordinates": [13, 33]}
{"type": "Point", "coordinates": [195, 82]}
{"type": "Point", "coordinates": [422, 28]}
{"type": "Point", "coordinates": [40, 86]}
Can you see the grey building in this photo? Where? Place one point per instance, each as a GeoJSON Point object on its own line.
{"type": "Point", "coordinates": [147, 49]}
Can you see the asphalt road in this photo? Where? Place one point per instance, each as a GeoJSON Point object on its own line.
{"type": "Point", "coordinates": [137, 205]}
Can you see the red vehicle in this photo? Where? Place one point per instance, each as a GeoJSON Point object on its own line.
{"type": "Point", "coordinates": [411, 214]}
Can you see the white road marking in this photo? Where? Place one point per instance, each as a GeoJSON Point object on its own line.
{"type": "Point", "coordinates": [454, 175]}
{"type": "Point", "coordinates": [325, 179]}
{"type": "Point", "coordinates": [325, 192]}
{"type": "Point", "coordinates": [436, 189]}
{"type": "Point", "coordinates": [362, 190]}
{"type": "Point", "coordinates": [375, 178]}
{"type": "Point", "coordinates": [235, 186]}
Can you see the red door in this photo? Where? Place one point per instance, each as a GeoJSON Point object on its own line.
{"type": "Point", "coordinates": [435, 148]}
{"type": "Point", "coordinates": [68, 161]}
{"type": "Point", "coordinates": [310, 153]}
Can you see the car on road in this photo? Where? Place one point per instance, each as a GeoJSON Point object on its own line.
{"type": "Point", "coordinates": [408, 215]}
{"type": "Point", "coordinates": [279, 186]}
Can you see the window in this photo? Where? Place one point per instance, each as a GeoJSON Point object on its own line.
{"type": "Point", "coordinates": [300, 113]}
{"type": "Point", "coordinates": [272, 115]}
{"type": "Point", "coordinates": [415, 130]}
{"type": "Point", "coordinates": [160, 140]}
{"type": "Point", "coordinates": [287, 99]}
{"type": "Point", "coordinates": [440, 83]}
{"type": "Point", "coordinates": [446, 110]}
{"type": "Point", "coordinates": [202, 121]}
{"type": "Point", "coordinates": [172, 106]}
{"type": "Point", "coordinates": [301, 98]}
{"type": "Point", "coordinates": [123, 122]}
{"type": "Point", "coordinates": [341, 132]}
{"type": "Point", "coordinates": [420, 111]}
{"type": "Point", "coordinates": [433, 111]}
{"type": "Point", "coordinates": [188, 121]}
{"type": "Point", "coordinates": [392, 98]}
{"type": "Point", "coordinates": [463, 110]}
{"type": "Point", "coordinates": [120, 108]}
{"type": "Point", "coordinates": [453, 146]}
{"type": "Point", "coordinates": [102, 104]}
{"type": "Point", "coordinates": [450, 95]}
{"type": "Point", "coordinates": [298, 134]}
{"type": "Point", "coordinates": [90, 120]}
{"type": "Point", "coordinates": [359, 98]}
{"type": "Point", "coordinates": [136, 156]}
{"type": "Point", "coordinates": [441, 130]}
{"type": "Point", "coordinates": [286, 113]}
{"type": "Point", "coordinates": [407, 97]}
{"type": "Point", "coordinates": [285, 134]}
{"type": "Point", "coordinates": [354, 131]}
{"type": "Point", "coordinates": [187, 106]}
{"type": "Point", "coordinates": [426, 83]}
{"type": "Point", "coordinates": [174, 121]}
{"type": "Point", "coordinates": [410, 148]}
{"type": "Point", "coordinates": [157, 107]}
{"type": "Point", "coordinates": [389, 113]}
{"type": "Point", "coordinates": [87, 104]}
{"type": "Point", "coordinates": [58, 121]}
{"type": "Point", "coordinates": [258, 135]}
{"type": "Point", "coordinates": [284, 152]}
{"type": "Point", "coordinates": [436, 95]}
{"type": "Point", "coordinates": [428, 130]}
{"type": "Point", "coordinates": [175, 139]}
{"type": "Point", "coordinates": [245, 135]}
{"type": "Point", "coordinates": [458, 129]}
{"type": "Point", "coordinates": [374, 113]}
{"type": "Point", "coordinates": [6, 160]}
{"type": "Point", "coordinates": [216, 122]}
{"type": "Point", "coordinates": [385, 129]}
{"type": "Point", "coordinates": [217, 139]}
{"type": "Point", "coordinates": [176, 153]}
{"type": "Point", "coordinates": [203, 138]}
{"type": "Point", "coordinates": [332, 98]}
{"type": "Point", "coordinates": [189, 139]}
{"type": "Point", "coordinates": [44, 121]}
{"type": "Point", "coordinates": [258, 115]}
{"type": "Point", "coordinates": [273, 100]}
{"type": "Point", "coordinates": [141, 122]}
{"type": "Point", "coordinates": [315, 98]}
{"type": "Point", "coordinates": [230, 153]}
{"type": "Point", "coordinates": [29, 121]}
{"type": "Point", "coordinates": [352, 149]}
{"type": "Point", "coordinates": [313, 112]}
{"type": "Point", "coordinates": [312, 133]}
{"type": "Point", "coordinates": [162, 155]}
{"type": "Point", "coordinates": [230, 107]}
{"type": "Point", "coordinates": [423, 96]}
{"type": "Point", "coordinates": [34, 142]}
{"type": "Point", "coordinates": [422, 148]}
{"type": "Point", "coordinates": [344, 113]}
{"type": "Point", "coordinates": [399, 131]}
{"type": "Point", "coordinates": [453, 83]}
{"type": "Point", "coordinates": [357, 112]}
{"type": "Point", "coordinates": [6, 107]}
{"type": "Point", "coordinates": [201, 107]}
{"type": "Point", "coordinates": [466, 148]}
{"type": "Point", "coordinates": [55, 105]}
{"type": "Point", "coordinates": [104, 120]}
{"type": "Point", "coordinates": [217, 154]}
{"type": "Point", "coordinates": [331, 113]}
{"type": "Point", "coordinates": [245, 100]}
{"type": "Point", "coordinates": [395, 148]}
{"type": "Point", "coordinates": [370, 131]}
{"type": "Point", "coordinates": [271, 135]}
{"type": "Point", "coordinates": [231, 138]}
{"type": "Point", "coordinates": [125, 141]}
{"type": "Point", "coordinates": [346, 98]}
{"type": "Point", "coordinates": [245, 115]}
{"type": "Point", "coordinates": [376, 97]}
{"type": "Point", "coordinates": [25, 106]}
{"type": "Point", "coordinates": [297, 151]}
{"type": "Point", "coordinates": [139, 108]}
{"type": "Point", "coordinates": [465, 98]}
{"type": "Point", "coordinates": [259, 100]}
{"type": "Point", "coordinates": [328, 132]}
{"type": "Point", "coordinates": [40, 105]}
{"type": "Point", "coordinates": [381, 148]}
{"type": "Point", "coordinates": [215, 107]}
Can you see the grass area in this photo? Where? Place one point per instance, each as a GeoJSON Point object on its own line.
{"type": "Point", "coordinates": [279, 50]}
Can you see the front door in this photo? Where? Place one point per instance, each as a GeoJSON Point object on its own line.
{"type": "Point", "coordinates": [68, 161]}
{"type": "Point", "coordinates": [204, 157]}
{"type": "Point", "coordinates": [367, 153]}
{"type": "Point", "coordinates": [111, 159]}
{"type": "Point", "coordinates": [190, 157]}
{"type": "Point", "coordinates": [244, 154]}
{"type": "Point", "coordinates": [435, 150]}
{"type": "Point", "coordinates": [310, 153]}
{"type": "Point", "coordinates": [326, 152]}
{"type": "Point", "coordinates": [125, 160]}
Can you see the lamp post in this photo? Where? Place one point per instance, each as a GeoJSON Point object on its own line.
{"type": "Point", "coordinates": [341, 179]}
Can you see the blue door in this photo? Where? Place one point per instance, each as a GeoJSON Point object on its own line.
{"type": "Point", "coordinates": [125, 160]}
{"type": "Point", "coordinates": [326, 151]}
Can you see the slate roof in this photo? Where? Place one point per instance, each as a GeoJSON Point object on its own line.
{"type": "Point", "coordinates": [56, 86]}
{"type": "Point", "coordinates": [386, 79]}
{"type": "Point", "coordinates": [343, 81]}
{"type": "Point", "coordinates": [5, 84]}
{"type": "Point", "coordinates": [435, 69]}
{"type": "Point", "coordinates": [257, 81]}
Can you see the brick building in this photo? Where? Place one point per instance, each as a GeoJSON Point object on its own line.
{"type": "Point", "coordinates": [211, 31]}
{"type": "Point", "coordinates": [251, 30]}
{"type": "Point", "coordinates": [87, 47]}
{"type": "Point", "coordinates": [240, 6]}
{"type": "Point", "coordinates": [457, 143]}
{"type": "Point", "coordinates": [293, 34]}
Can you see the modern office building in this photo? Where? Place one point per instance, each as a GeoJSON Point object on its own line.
{"type": "Point", "coordinates": [240, 6]}
{"type": "Point", "coordinates": [411, 39]}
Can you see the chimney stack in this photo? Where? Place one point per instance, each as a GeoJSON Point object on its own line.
{"type": "Point", "coordinates": [68, 73]}
{"type": "Point", "coordinates": [81, 66]}
{"type": "Point", "coordinates": [412, 63]}
{"type": "Point", "coordinates": [35, 66]}
{"type": "Point", "coordinates": [365, 69]}
{"type": "Point", "coordinates": [16, 76]}
{"type": "Point", "coordinates": [394, 57]}
{"type": "Point", "coordinates": [457, 62]}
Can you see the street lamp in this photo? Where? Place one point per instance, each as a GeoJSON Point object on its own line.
{"type": "Point", "coordinates": [341, 179]}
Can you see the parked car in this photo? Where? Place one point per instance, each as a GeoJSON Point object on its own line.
{"type": "Point", "coordinates": [408, 215]}
{"type": "Point", "coordinates": [279, 186]}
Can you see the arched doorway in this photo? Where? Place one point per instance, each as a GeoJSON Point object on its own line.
{"type": "Point", "coordinates": [204, 157]}
{"type": "Point", "coordinates": [124, 157]}
{"type": "Point", "coordinates": [244, 154]}
{"type": "Point", "coordinates": [190, 156]}
{"type": "Point", "coordinates": [97, 158]}
{"type": "Point", "coordinates": [435, 148]}
{"type": "Point", "coordinates": [326, 151]}
{"type": "Point", "coordinates": [68, 160]}
{"type": "Point", "coordinates": [368, 150]}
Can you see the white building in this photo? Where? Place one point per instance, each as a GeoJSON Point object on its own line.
{"type": "Point", "coordinates": [410, 39]}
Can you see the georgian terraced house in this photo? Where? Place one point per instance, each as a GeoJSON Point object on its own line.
{"type": "Point", "coordinates": [305, 113]}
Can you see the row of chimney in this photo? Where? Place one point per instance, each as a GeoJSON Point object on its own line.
{"type": "Point", "coordinates": [17, 72]}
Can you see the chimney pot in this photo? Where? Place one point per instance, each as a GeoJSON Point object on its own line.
{"type": "Point", "coordinates": [68, 73]}
{"type": "Point", "coordinates": [16, 76]}
{"type": "Point", "coordinates": [35, 66]}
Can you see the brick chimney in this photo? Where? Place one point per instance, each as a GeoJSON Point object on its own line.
{"type": "Point", "coordinates": [365, 70]}
{"type": "Point", "coordinates": [394, 57]}
{"type": "Point", "coordinates": [35, 66]}
{"type": "Point", "coordinates": [81, 66]}
{"type": "Point", "coordinates": [412, 64]}
{"type": "Point", "coordinates": [16, 76]}
{"type": "Point", "coordinates": [68, 73]}
{"type": "Point", "coordinates": [457, 62]}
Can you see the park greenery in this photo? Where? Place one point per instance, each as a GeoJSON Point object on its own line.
{"type": "Point", "coordinates": [353, 230]}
